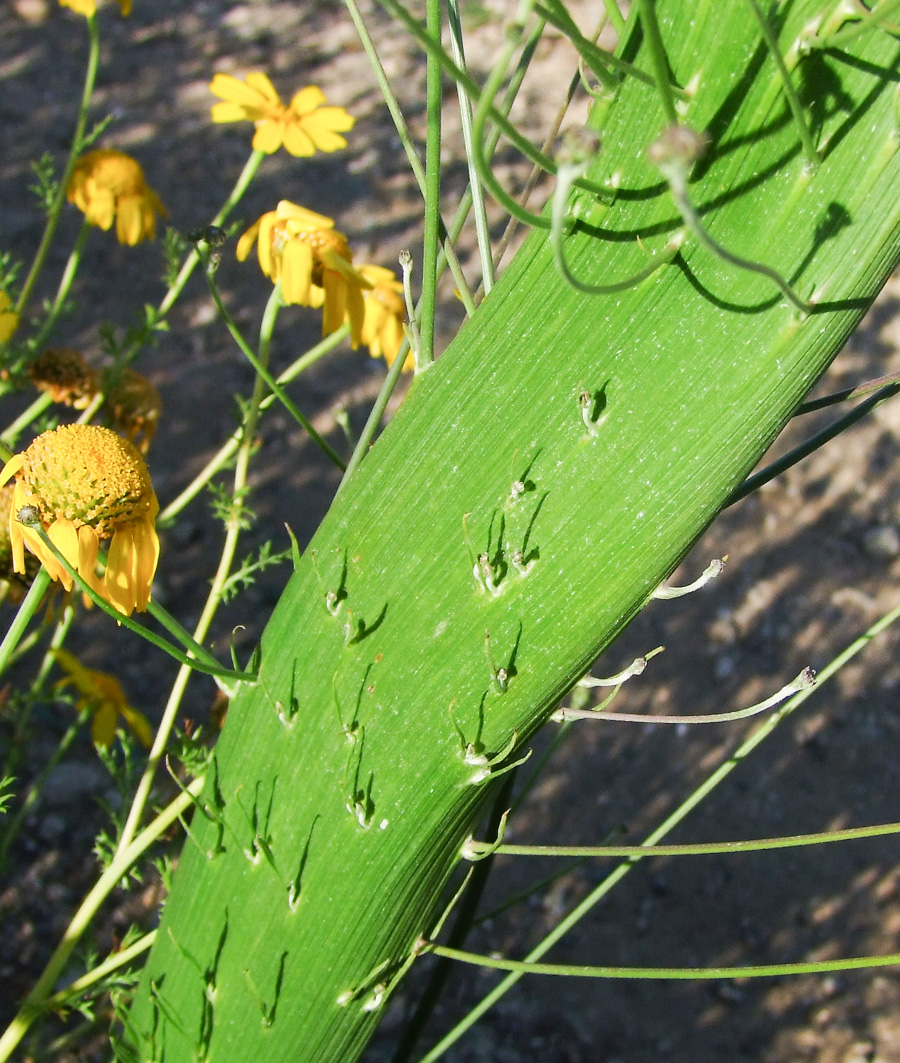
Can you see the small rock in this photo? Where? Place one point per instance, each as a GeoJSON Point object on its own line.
{"type": "Point", "coordinates": [859, 1052]}
{"type": "Point", "coordinates": [882, 543]}
{"type": "Point", "coordinates": [72, 783]}
{"type": "Point", "coordinates": [34, 12]}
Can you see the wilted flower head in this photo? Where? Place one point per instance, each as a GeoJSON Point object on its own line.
{"type": "Point", "coordinates": [89, 7]}
{"type": "Point", "coordinates": [9, 319]}
{"type": "Point", "coordinates": [304, 127]}
{"type": "Point", "coordinates": [311, 258]}
{"type": "Point", "coordinates": [103, 696]}
{"type": "Point", "coordinates": [85, 484]}
{"type": "Point", "coordinates": [66, 376]}
{"type": "Point", "coordinates": [134, 406]}
{"type": "Point", "coordinates": [385, 312]}
{"type": "Point", "coordinates": [107, 184]}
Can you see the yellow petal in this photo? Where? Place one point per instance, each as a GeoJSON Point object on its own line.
{"type": "Point", "coordinates": [245, 243]}
{"type": "Point", "coordinates": [146, 558]}
{"type": "Point", "coordinates": [229, 112]}
{"type": "Point", "coordinates": [301, 219]}
{"type": "Point", "coordinates": [336, 290]}
{"type": "Point", "coordinates": [307, 100]}
{"type": "Point", "coordinates": [296, 272]}
{"type": "Point", "coordinates": [268, 137]}
{"type": "Point", "coordinates": [297, 143]}
{"type": "Point", "coordinates": [103, 725]}
{"type": "Point", "coordinates": [237, 92]}
{"type": "Point", "coordinates": [138, 723]}
{"type": "Point", "coordinates": [11, 468]}
{"type": "Point", "coordinates": [119, 581]}
{"type": "Point", "coordinates": [261, 83]}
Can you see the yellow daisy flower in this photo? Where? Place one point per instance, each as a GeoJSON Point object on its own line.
{"type": "Point", "coordinates": [66, 376]}
{"type": "Point", "coordinates": [311, 258]}
{"type": "Point", "coordinates": [103, 695]}
{"type": "Point", "coordinates": [382, 330]}
{"type": "Point", "coordinates": [304, 127]}
{"type": "Point", "coordinates": [9, 319]}
{"type": "Point", "coordinates": [87, 484]}
{"type": "Point", "coordinates": [89, 7]}
{"type": "Point", "coordinates": [107, 184]}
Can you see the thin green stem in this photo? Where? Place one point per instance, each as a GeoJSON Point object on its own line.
{"type": "Point", "coordinates": [37, 1001]}
{"type": "Point", "coordinates": [861, 391]}
{"type": "Point", "coordinates": [223, 570]}
{"type": "Point", "coordinates": [870, 21]}
{"type": "Point", "coordinates": [56, 207]}
{"type": "Point", "coordinates": [755, 845]}
{"type": "Point", "coordinates": [673, 820]}
{"type": "Point", "coordinates": [12, 433]}
{"type": "Point", "coordinates": [65, 285]}
{"type": "Point", "coordinates": [560, 223]}
{"type": "Point", "coordinates": [375, 415]}
{"type": "Point", "coordinates": [409, 147]}
{"type": "Point", "coordinates": [434, 98]}
{"type": "Point", "coordinates": [658, 60]}
{"type": "Point", "coordinates": [667, 974]}
{"type": "Point", "coordinates": [476, 197]}
{"type": "Point", "coordinates": [261, 369]}
{"type": "Point", "coordinates": [113, 962]}
{"type": "Point", "coordinates": [24, 616]}
{"type": "Point", "coordinates": [809, 446]}
{"type": "Point", "coordinates": [806, 137]}
{"type": "Point", "coordinates": [228, 449]}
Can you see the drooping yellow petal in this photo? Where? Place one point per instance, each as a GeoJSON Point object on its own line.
{"type": "Point", "coordinates": [245, 244]}
{"type": "Point", "coordinates": [258, 81]}
{"type": "Point", "coordinates": [296, 272]}
{"type": "Point", "coordinates": [103, 725]}
{"type": "Point", "coordinates": [64, 537]}
{"type": "Point", "coordinates": [11, 468]}
{"type": "Point", "coordinates": [307, 100]}
{"type": "Point", "coordinates": [138, 723]}
{"type": "Point", "coordinates": [269, 137]}
{"type": "Point", "coordinates": [119, 581]}
{"type": "Point", "coordinates": [297, 143]}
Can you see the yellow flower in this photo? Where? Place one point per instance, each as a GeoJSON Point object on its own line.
{"type": "Point", "coordinates": [89, 7]}
{"type": "Point", "coordinates": [65, 375]}
{"type": "Point", "coordinates": [382, 330]}
{"type": "Point", "coordinates": [103, 696]}
{"type": "Point", "coordinates": [9, 319]}
{"type": "Point", "coordinates": [303, 127]}
{"type": "Point", "coordinates": [311, 258]}
{"type": "Point", "coordinates": [108, 184]}
{"type": "Point", "coordinates": [134, 405]}
{"type": "Point", "coordinates": [87, 484]}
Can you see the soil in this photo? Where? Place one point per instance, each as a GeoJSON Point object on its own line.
{"type": "Point", "coordinates": [813, 559]}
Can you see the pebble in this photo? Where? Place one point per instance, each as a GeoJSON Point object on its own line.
{"type": "Point", "coordinates": [882, 543]}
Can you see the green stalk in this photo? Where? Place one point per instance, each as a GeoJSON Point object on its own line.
{"type": "Point", "coordinates": [434, 98]}
{"type": "Point", "coordinates": [56, 207]}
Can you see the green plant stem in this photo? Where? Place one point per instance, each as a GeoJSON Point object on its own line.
{"type": "Point", "coordinates": [434, 98]}
{"type": "Point", "coordinates": [223, 570]}
{"type": "Point", "coordinates": [375, 415]}
{"type": "Point", "coordinates": [190, 263]}
{"type": "Point", "coordinates": [476, 194]}
{"type": "Point", "coordinates": [861, 391]}
{"type": "Point", "coordinates": [65, 285]}
{"type": "Point", "coordinates": [227, 451]}
{"type": "Point", "coordinates": [658, 60]}
{"type": "Point", "coordinates": [755, 845]}
{"type": "Point", "coordinates": [667, 974]}
{"type": "Point", "coordinates": [408, 145]}
{"type": "Point", "coordinates": [56, 207]}
{"type": "Point", "coordinates": [263, 372]}
{"type": "Point", "coordinates": [12, 433]}
{"type": "Point", "coordinates": [873, 20]}
{"type": "Point", "coordinates": [23, 617]}
{"type": "Point", "coordinates": [112, 963]}
{"type": "Point", "coordinates": [803, 130]}
{"type": "Point", "coordinates": [809, 446]}
{"type": "Point", "coordinates": [673, 820]}
{"type": "Point", "coordinates": [37, 1001]}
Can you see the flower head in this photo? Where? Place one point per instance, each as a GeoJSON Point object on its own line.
{"type": "Point", "coordinates": [107, 184]}
{"type": "Point", "coordinates": [102, 695]}
{"type": "Point", "coordinates": [311, 258]}
{"type": "Point", "coordinates": [134, 405]}
{"type": "Point", "coordinates": [304, 127]}
{"type": "Point", "coordinates": [9, 319]}
{"type": "Point", "coordinates": [65, 375]}
{"type": "Point", "coordinates": [86, 484]}
{"type": "Point", "coordinates": [89, 7]}
{"type": "Point", "coordinates": [385, 312]}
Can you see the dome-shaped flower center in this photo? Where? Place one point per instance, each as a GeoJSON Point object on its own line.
{"type": "Point", "coordinates": [113, 170]}
{"type": "Point", "coordinates": [88, 475]}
